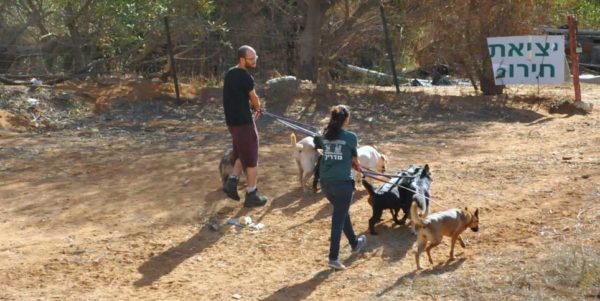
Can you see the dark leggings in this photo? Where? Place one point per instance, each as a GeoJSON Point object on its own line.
{"type": "Point", "coordinates": [339, 194]}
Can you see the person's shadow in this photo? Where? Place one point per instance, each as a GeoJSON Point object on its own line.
{"type": "Point", "coordinates": [300, 291]}
{"type": "Point", "coordinates": [165, 262]}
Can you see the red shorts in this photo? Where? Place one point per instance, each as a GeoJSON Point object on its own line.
{"type": "Point", "coordinates": [245, 143]}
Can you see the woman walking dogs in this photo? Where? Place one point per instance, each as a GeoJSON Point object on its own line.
{"type": "Point", "coordinates": [339, 157]}
{"type": "Point", "coordinates": [238, 98]}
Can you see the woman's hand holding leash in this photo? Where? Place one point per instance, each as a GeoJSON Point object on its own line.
{"type": "Point", "coordinates": [356, 164]}
{"type": "Point", "coordinates": [257, 113]}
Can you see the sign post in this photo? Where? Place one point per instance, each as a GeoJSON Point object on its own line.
{"type": "Point", "coordinates": [574, 56]}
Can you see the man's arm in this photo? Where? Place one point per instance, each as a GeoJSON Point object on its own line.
{"type": "Point", "coordinates": [254, 103]}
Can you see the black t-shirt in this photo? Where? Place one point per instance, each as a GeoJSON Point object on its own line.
{"type": "Point", "coordinates": [236, 101]}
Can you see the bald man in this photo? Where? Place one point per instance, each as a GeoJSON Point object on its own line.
{"type": "Point", "coordinates": [239, 98]}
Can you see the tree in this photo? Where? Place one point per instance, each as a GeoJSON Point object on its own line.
{"type": "Point", "coordinates": [587, 12]}
{"type": "Point", "coordinates": [454, 32]}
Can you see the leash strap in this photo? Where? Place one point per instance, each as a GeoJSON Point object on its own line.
{"type": "Point", "coordinates": [296, 128]}
{"type": "Point", "coordinates": [288, 122]}
{"type": "Point", "coordinates": [406, 188]}
{"type": "Point", "coordinates": [387, 175]}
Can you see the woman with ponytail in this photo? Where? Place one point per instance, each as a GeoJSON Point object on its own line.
{"type": "Point", "coordinates": [339, 157]}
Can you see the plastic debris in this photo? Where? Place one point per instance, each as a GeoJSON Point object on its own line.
{"type": "Point", "coordinates": [245, 221]}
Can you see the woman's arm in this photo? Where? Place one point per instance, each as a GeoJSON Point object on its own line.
{"type": "Point", "coordinates": [355, 163]}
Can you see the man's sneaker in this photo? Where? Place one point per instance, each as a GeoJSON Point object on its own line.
{"type": "Point", "coordinates": [230, 188]}
{"type": "Point", "coordinates": [361, 241]}
{"type": "Point", "coordinates": [254, 200]}
{"type": "Point", "coordinates": [336, 265]}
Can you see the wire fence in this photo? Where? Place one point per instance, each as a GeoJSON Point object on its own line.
{"type": "Point", "coordinates": [202, 54]}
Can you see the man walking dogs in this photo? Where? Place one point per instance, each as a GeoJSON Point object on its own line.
{"type": "Point", "coordinates": [239, 98]}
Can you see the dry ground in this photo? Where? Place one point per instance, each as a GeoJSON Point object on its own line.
{"type": "Point", "coordinates": [118, 208]}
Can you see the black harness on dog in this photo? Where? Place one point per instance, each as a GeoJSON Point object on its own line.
{"type": "Point", "coordinates": [402, 176]}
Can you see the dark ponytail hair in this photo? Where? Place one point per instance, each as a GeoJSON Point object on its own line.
{"type": "Point", "coordinates": [339, 114]}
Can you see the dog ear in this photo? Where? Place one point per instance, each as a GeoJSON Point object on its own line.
{"type": "Point", "coordinates": [425, 171]}
{"type": "Point", "coordinates": [477, 212]}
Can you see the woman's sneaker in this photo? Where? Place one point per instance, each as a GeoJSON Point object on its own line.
{"type": "Point", "coordinates": [361, 241]}
{"type": "Point", "coordinates": [336, 264]}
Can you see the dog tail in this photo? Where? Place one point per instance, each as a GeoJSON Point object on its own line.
{"type": "Point", "coordinates": [414, 215]}
{"type": "Point", "coordinates": [369, 187]}
{"type": "Point", "coordinates": [293, 139]}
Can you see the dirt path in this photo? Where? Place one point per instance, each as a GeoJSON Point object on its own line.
{"type": "Point", "coordinates": [123, 211]}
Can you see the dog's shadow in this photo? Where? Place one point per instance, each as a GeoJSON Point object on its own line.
{"type": "Point", "coordinates": [395, 241]}
{"type": "Point", "coordinates": [302, 290]}
{"type": "Point", "coordinates": [445, 267]}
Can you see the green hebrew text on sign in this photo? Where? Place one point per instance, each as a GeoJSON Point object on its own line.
{"type": "Point", "coordinates": [527, 59]}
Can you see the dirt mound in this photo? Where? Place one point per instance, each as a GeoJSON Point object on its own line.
{"type": "Point", "coordinates": [566, 107]}
{"type": "Point", "coordinates": [43, 108]}
{"type": "Point", "coordinates": [106, 92]}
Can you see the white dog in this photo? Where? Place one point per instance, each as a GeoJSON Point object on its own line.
{"type": "Point", "coordinates": [370, 158]}
{"type": "Point", "coordinates": [306, 157]}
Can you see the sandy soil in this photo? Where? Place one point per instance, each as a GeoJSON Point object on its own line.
{"type": "Point", "coordinates": [119, 209]}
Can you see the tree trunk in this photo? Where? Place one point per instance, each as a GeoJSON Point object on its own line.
{"type": "Point", "coordinates": [486, 79]}
{"type": "Point", "coordinates": [76, 55]}
{"type": "Point", "coordinates": [309, 41]}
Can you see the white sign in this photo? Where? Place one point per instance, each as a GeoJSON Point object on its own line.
{"type": "Point", "coordinates": [528, 59]}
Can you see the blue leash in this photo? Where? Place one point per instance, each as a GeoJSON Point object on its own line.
{"type": "Point", "coordinates": [289, 120]}
{"type": "Point", "coordinates": [297, 128]}
{"type": "Point", "coordinates": [294, 125]}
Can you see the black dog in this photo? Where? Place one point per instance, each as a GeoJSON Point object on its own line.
{"type": "Point", "coordinates": [318, 139]}
{"type": "Point", "coordinates": [399, 193]}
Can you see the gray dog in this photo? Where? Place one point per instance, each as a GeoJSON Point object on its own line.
{"type": "Point", "coordinates": [226, 164]}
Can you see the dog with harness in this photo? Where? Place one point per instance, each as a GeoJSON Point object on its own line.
{"type": "Point", "coordinates": [413, 184]}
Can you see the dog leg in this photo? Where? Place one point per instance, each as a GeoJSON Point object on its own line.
{"type": "Point", "coordinates": [462, 243]}
{"type": "Point", "coordinates": [305, 181]}
{"type": "Point", "coordinates": [316, 175]}
{"type": "Point", "coordinates": [428, 249]}
{"type": "Point", "coordinates": [374, 219]}
{"type": "Point", "coordinates": [300, 173]}
{"type": "Point", "coordinates": [420, 248]}
{"type": "Point", "coordinates": [396, 220]}
{"type": "Point", "coordinates": [454, 239]}
{"type": "Point", "coordinates": [403, 220]}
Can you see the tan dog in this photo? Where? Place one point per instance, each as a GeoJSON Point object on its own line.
{"type": "Point", "coordinates": [306, 157]}
{"type": "Point", "coordinates": [433, 228]}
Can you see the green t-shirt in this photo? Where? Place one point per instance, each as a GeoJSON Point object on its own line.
{"type": "Point", "coordinates": [336, 162]}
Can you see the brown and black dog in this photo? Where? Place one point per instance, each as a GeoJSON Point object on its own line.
{"type": "Point", "coordinates": [434, 227]}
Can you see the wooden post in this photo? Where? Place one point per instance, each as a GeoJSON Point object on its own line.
{"type": "Point", "coordinates": [389, 48]}
{"type": "Point", "coordinates": [574, 55]}
{"type": "Point", "coordinates": [172, 60]}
